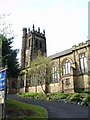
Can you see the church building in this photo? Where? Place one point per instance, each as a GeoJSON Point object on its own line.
{"type": "Point", "coordinates": [74, 62]}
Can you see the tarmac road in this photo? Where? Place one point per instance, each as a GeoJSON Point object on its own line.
{"type": "Point", "coordinates": [58, 109]}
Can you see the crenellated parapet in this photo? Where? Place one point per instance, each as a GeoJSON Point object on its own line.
{"type": "Point", "coordinates": [81, 45]}
{"type": "Point", "coordinates": [28, 32]}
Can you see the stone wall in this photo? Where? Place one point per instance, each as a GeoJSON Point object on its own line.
{"type": "Point", "coordinates": [54, 87]}
{"type": "Point", "coordinates": [22, 90]}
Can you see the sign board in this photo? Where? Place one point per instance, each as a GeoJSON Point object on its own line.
{"type": "Point", "coordinates": [2, 95]}
{"type": "Point", "coordinates": [2, 79]}
{"type": "Point", "coordinates": [0, 52]}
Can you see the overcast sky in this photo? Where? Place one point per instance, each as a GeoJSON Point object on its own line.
{"type": "Point", "coordinates": [65, 21]}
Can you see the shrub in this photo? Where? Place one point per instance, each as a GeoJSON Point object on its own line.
{"type": "Point", "coordinates": [68, 97]}
{"type": "Point", "coordinates": [56, 96]}
{"type": "Point", "coordinates": [27, 94]}
{"type": "Point", "coordinates": [64, 96]}
{"type": "Point", "coordinates": [86, 100]}
{"type": "Point", "coordinates": [83, 95]}
{"type": "Point", "coordinates": [88, 92]}
{"type": "Point", "coordinates": [79, 90]}
{"type": "Point", "coordinates": [51, 96]}
{"type": "Point", "coordinates": [75, 97]}
{"type": "Point", "coordinates": [41, 96]}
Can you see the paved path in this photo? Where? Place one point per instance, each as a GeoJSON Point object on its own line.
{"type": "Point", "coordinates": [57, 109]}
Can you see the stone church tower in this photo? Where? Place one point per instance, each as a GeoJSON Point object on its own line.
{"type": "Point", "coordinates": [32, 42]}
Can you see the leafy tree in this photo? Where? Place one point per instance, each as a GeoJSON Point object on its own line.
{"type": "Point", "coordinates": [9, 57]}
{"type": "Point", "coordinates": [40, 72]}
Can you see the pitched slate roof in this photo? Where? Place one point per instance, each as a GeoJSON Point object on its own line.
{"type": "Point", "coordinates": [62, 53]}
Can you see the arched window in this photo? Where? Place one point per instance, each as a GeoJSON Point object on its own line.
{"type": "Point", "coordinates": [66, 68]}
{"type": "Point", "coordinates": [83, 63]}
{"type": "Point", "coordinates": [55, 73]}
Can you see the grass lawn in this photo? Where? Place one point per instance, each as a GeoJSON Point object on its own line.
{"type": "Point", "coordinates": [17, 110]}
